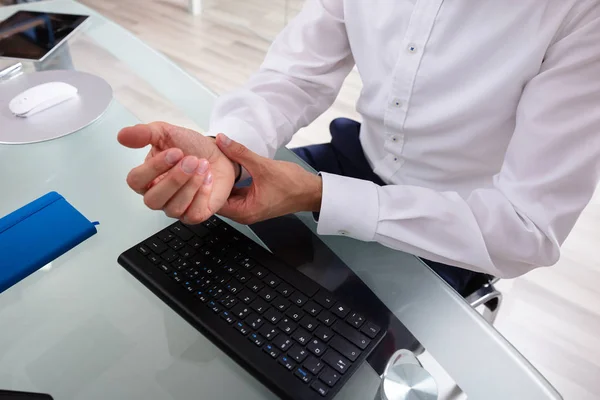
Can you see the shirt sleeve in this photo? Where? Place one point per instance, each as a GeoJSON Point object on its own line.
{"type": "Point", "coordinates": [549, 174]}
{"type": "Point", "coordinates": [298, 80]}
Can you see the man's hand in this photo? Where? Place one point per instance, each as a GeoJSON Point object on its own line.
{"type": "Point", "coordinates": [185, 174]}
{"type": "Point", "coordinates": [278, 187]}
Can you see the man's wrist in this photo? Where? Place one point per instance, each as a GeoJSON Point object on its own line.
{"type": "Point", "coordinates": [237, 168]}
{"type": "Point", "coordinates": [315, 194]}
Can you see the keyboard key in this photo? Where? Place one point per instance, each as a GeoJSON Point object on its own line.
{"type": "Point", "coordinates": [242, 327]}
{"type": "Point", "coordinates": [255, 321]}
{"type": "Point", "coordinates": [198, 229]}
{"type": "Point", "coordinates": [176, 244]}
{"type": "Point", "coordinates": [303, 375]}
{"type": "Point", "coordinates": [267, 293]}
{"type": "Point", "coordinates": [268, 331]}
{"type": "Point", "coordinates": [143, 249]}
{"type": "Point", "coordinates": [165, 235]}
{"type": "Point", "coordinates": [214, 306]}
{"type": "Point", "coordinates": [301, 336]}
{"type": "Point", "coordinates": [271, 350]}
{"type": "Point", "coordinates": [312, 308]}
{"type": "Point", "coordinates": [287, 326]}
{"type": "Point", "coordinates": [341, 310]}
{"type": "Point", "coordinates": [260, 272]}
{"type": "Point", "coordinates": [206, 252]}
{"type": "Point", "coordinates": [201, 294]}
{"type": "Point", "coordinates": [156, 245]}
{"type": "Point", "coordinates": [241, 311]}
{"type": "Point", "coordinates": [243, 276]}
{"type": "Point", "coordinates": [370, 329]}
{"type": "Point", "coordinates": [246, 296]}
{"type": "Point", "coordinates": [181, 264]}
{"type": "Point", "coordinates": [337, 361]}
{"type": "Point", "coordinates": [351, 334]}
{"type": "Point", "coordinates": [176, 276]}
{"type": "Point", "coordinates": [170, 255]}
{"type": "Point", "coordinates": [281, 304]}
{"type": "Point", "coordinates": [348, 350]}
{"type": "Point", "coordinates": [181, 231]}
{"type": "Point", "coordinates": [298, 299]}
{"type": "Point", "coordinates": [309, 323]}
{"type": "Point", "coordinates": [228, 317]}
{"type": "Point", "coordinates": [282, 342]}
{"type": "Point", "coordinates": [316, 347]}
{"type": "Point", "coordinates": [324, 334]}
{"type": "Point", "coordinates": [255, 285]}
{"type": "Point", "coordinates": [295, 313]}
{"type": "Point", "coordinates": [228, 301]}
{"type": "Point", "coordinates": [327, 318]}
{"type": "Point", "coordinates": [256, 339]}
{"type": "Point", "coordinates": [329, 376]}
{"type": "Point", "coordinates": [218, 260]}
{"type": "Point", "coordinates": [324, 299]}
{"type": "Point", "coordinates": [320, 388]}
{"type": "Point", "coordinates": [259, 306]}
{"type": "Point", "coordinates": [273, 316]}
{"type": "Point", "coordinates": [154, 259]}
{"type": "Point", "coordinates": [230, 268]}
{"type": "Point", "coordinates": [222, 279]}
{"type": "Point", "coordinates": [196, 243]}
{"type": "Point", "coordinates": [355, 319]}
{"type": "Point", "coordinates": [285, 290]}
{"type": "Point", "coordinates": [314, 365]}
{"type": "Point", "coordinates": [164, 267]}
{"type": "Point", "coordinates": [234, 287]}
{"type": "Point", "coordinates": [298, 353]}
{"type": "Point", "coordinates": [272, 281]}
{"type": "Point", "coordinates": [301, 282]}
{"type": "Point", "coordinates": [286, 362]}
{"type": "Point", "coordinates": [187, 252]}
{"type": "Point", "coordinates": [246, 263]}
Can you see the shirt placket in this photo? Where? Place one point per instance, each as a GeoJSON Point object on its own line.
{"type": "Point", "coordinates": [404, 76]}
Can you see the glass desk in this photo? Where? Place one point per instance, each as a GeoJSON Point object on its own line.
{"type": "Point", "coordinates": [83, 328]}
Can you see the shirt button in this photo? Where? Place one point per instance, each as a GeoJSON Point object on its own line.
{"type": "Point", "coordinates": [395, 159]}
{"type": "Point", "coordinates": [394, 138]}
{"type": "Point", "coordinates": [343, 232]}
{"type": "Point", "coordinates": [412, 48]}
{"type": "Point", "coordinates": [396, 103]}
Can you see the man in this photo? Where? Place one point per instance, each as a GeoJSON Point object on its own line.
{"type": "Point", "coordinates": [479, 144]}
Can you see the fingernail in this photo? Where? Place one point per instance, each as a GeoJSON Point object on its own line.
{"type": "Point", "coordinates": [225, 140]}
{"type": "Point", "coordinates": [208, 180]}
{"type": "Point", "coordinates": [173, 156]}
{"type": "Point", "coordinates": [202, 168]}
{"type": "Point", "coordinates": [189, 165]}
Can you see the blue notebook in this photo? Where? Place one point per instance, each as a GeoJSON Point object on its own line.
{"type": "Point", "coordinates": [38, 233]}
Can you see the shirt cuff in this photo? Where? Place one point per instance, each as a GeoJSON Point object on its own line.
{"type": "Point", "coordinates": [349, 207]}
{"type": "Point", "coordinates": [243, 133]}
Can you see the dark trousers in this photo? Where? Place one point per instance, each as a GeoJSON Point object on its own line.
{"type": "Point", "coordinates": [344, 156]}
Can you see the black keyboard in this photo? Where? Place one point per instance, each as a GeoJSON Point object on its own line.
{"type": "Point", "coordinates": [284, 328]}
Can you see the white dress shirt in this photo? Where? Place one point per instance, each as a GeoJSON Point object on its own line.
{"type": "Point", "coordinates": [483, 117]}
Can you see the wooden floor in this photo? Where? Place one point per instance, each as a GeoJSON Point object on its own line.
{"type": "Point", "coordinates": [552, 315]}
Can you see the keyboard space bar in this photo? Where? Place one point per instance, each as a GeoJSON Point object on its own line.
{"type": "Point", "coordinates": [292, 276]}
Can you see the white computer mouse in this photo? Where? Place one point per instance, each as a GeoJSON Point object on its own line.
{"type": "Point", "coordinates": [41, 97]}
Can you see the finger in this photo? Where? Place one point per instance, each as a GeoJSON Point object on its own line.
{"type": "Point", "coordinates": [181, 201]}
{"type": "Point", "coordinates": [158, 195]}
{"type": "Point", "coordinates": [199, 210]}
{"type": "Point", "coordinates": [239, 153]}
{"type": "Point", "coordinates": [236, 206]}
{"type": "Point", "coordinates": [141, 177]}
{"type": "Point", "coordinates": [142, 135]}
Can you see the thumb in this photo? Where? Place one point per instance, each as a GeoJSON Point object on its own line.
{"type": "Point", "coordinates": [238, 153]}
{"type": "Point", "coordinates": [142, 135]}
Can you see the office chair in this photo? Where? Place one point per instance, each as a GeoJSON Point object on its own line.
{"type": "Point", "coordinates": [484, 293]}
